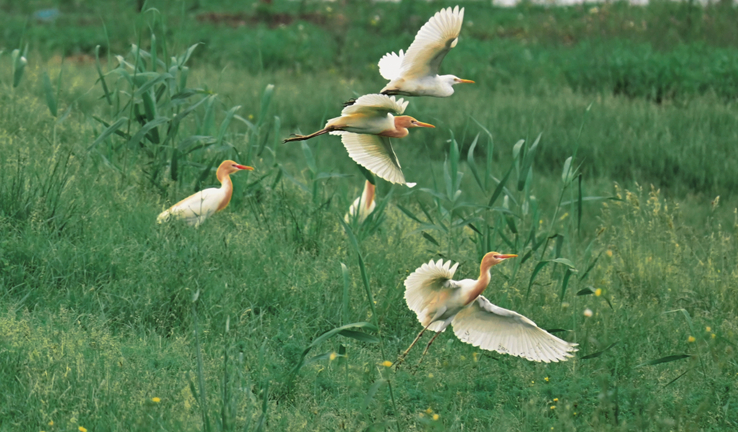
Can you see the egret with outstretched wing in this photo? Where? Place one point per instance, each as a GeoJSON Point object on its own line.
{"type": "Point", "coordinates": [365, 127]}
{"type": "Point", "coordinates": [439, 301]}
{"type": "Point", "coordinates": [415, 72]}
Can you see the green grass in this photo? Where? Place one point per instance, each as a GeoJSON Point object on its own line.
{"type": "Point", "coordinates": [96, 300]}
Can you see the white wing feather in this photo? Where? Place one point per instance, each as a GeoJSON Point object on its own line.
{"type": "Point", "coordinates": [493, 328]}
{"type": "Point", "coordinates": [195, 208]}
{"type": "Point", "coordinates": [376, 104]}
{"type": "Point", "coordinates": [429, 284]}
{"type": "Point", "coordinates": [376, 154]}
{"type": "Point", "coordinates": [433, 41]}
{"type": "Point", "coordinates": [390, 65]}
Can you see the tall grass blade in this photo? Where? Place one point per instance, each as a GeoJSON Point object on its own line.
{"type": "Point", "coordinates": [19, 65]}
{"type": "Point", "coordinates": [473, 165]}
{"type": "Point", "coordinates": [226, 123]}
{"type": "Point", "coordinates": [345, 300]}
{"type": "Point", "coordinates": [49, 94]}
{"type": "Point", "coordinates": [533, 275]}
{"type": "Point", "coordinates": [530, 154]}
{"type": "Point", "coordinates": [500, 187]}
{"type": "Point", "coordinates": [109, 131]}
{"type": "Point", "coordinates": [136, 139]}
{"type": "Point", "coordinates": [666, 359]}
{"type": "Point", "coordinates": [200, 373]}
{"type": "Point", "coordinates": [599, 353]}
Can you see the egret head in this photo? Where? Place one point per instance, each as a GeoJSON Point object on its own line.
{"type": "Point", "coordinates": [494, 258]}
{"type": "Point", "coordinates": [229, 167]}
{"type": "Point", "coordinates": [409, 122]}
{"type": "Point", "coordinates": [457, 80]}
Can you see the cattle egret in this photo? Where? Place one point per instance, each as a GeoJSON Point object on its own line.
{"type": "Point", "coordinates": [415, 72]}
{"type": "Point", "coordinates": [366, 127]}
{"type": "Point", "coordinates": [198, 207]}
{"type": "Point", "coordinates": [362, 206]}
{"type": "Point", "coordinates": [439, 301]}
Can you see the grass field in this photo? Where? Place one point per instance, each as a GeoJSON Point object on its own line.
{"type": "Point", "coordinates": [109, 321]}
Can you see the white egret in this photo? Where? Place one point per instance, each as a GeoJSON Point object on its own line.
{"type": "Point", "coordinates": [196, 208]}
{"type": "Point", "coordinates": [415, 72]}
{"type": "Point", "coordinates": [438, 301]}
{"type": "Point", "coordinates": [365, 128]}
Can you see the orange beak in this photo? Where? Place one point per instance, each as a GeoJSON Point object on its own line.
{"type": "Point", "coordinates": [244, 167]}
{"type": "Point", "coordinates": [421, 124]}
{"type": "Point", "coordinates": [465, 81]}
{"type": "Point", "coordinates": [505, 256]}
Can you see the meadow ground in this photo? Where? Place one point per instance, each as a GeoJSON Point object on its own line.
{"type": "Point", "coordinates": [274, 315]}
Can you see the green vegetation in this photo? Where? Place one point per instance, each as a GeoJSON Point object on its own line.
{"type": "Point", "coordinates": [274, 315]}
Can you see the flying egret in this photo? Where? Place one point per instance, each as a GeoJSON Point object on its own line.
{"type": "Point", "coordinates": [362, 206]}
{"type": "Point", "coordinates": [365, 128]}
{"type": "Point", "coordinates": [196, 208]}
{"type": "Point", "coordinates": [438, 301]}
{"type": "Point", "coordinates": [415, 72]}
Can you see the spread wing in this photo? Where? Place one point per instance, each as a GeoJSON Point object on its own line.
{"type": "Point", "coordinates": [433, 41]}
{"type": "Point", "coordinates": [376, 105]}
{"type": "Point", "coordinates": [195, 208]}
{"type": "Point", "coordinates": [493, 328]}
{"type": "Point", "coordinates": [376, 154]}
{"type": "Point", "coordinates": [429, 285]}
{"type": "Point", "coordinates": [390, 65]}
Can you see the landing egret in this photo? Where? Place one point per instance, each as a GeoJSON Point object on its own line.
{"type": "Point", "coordinates": [438, 301]}
{"type": "Point", "coordinates": [362, 206]}
{"type": "Point", "coordinates": [365, 127]}
{"type": "Point", "coordinates": [196, 208]}
{"type": "Point", "coordinates": [415, 72]}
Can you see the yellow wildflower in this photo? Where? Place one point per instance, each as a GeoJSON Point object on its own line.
{"type": "Point", "coordinates": [556, 399]}
{"type": "Point", "coordinates": [430, 375]}
{"type": "Point", "coordinates": [435, 417]}
{"type": "Point", "coordinates": [609, 253]}
{"type": "Point", "coordinates": [553, 406]}
{"type": "Point", "coordinates": [332, 356]}
{"type": "Point", "coordinates": [708, 329]}
{"type": "Point", "coordinates": [598, 292]}
{"type": "Point", "coordinates": [51, 423]}
{"type": "Point", "coordinates": [386, 363]}
{"type": "Point", "coordinates": [691, 339]}
{"type": "Point", "coordinates": [546, 379]}
{"type": "Point", "coordinates": [429, 410]}
{"type": "Point", "coordinates": [155, 400]}
{"type": "Point", "coordinates": [712, 335]}
{"type": "Point", "coordinates": [81, 429]}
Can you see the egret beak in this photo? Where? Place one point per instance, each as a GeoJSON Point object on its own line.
{"type": "Point", "coordinates": [244, 167]}
{"type": "Point", "coordinates": [421, 124]}
{"type": "Point", "coordinates": [505, 256]}
{"type": "Point", "coordinates": [465, 81]}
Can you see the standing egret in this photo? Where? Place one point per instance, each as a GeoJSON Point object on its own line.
{"type": "Point", "coordinates": [415, 72]}
{"type": "Point", "coordinates": [362, 206]}
{"type": "Point", "coordinates": [196, 208]}
{"type": "Point", "coordinates": [365, 128]}
{"type": "Point", "coordinates": [439, 301]}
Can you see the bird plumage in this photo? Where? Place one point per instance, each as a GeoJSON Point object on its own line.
{"type": "Point", "coordinates": [362, 206]}
{"type": "Point", "coordinates": [365, 127]}
{"type": "Point", "coordinates": [415, 72]}
{"type": "Point", "coordinates": [439, 301]}
{"type": "Point", "coordinates": [201, 205]}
